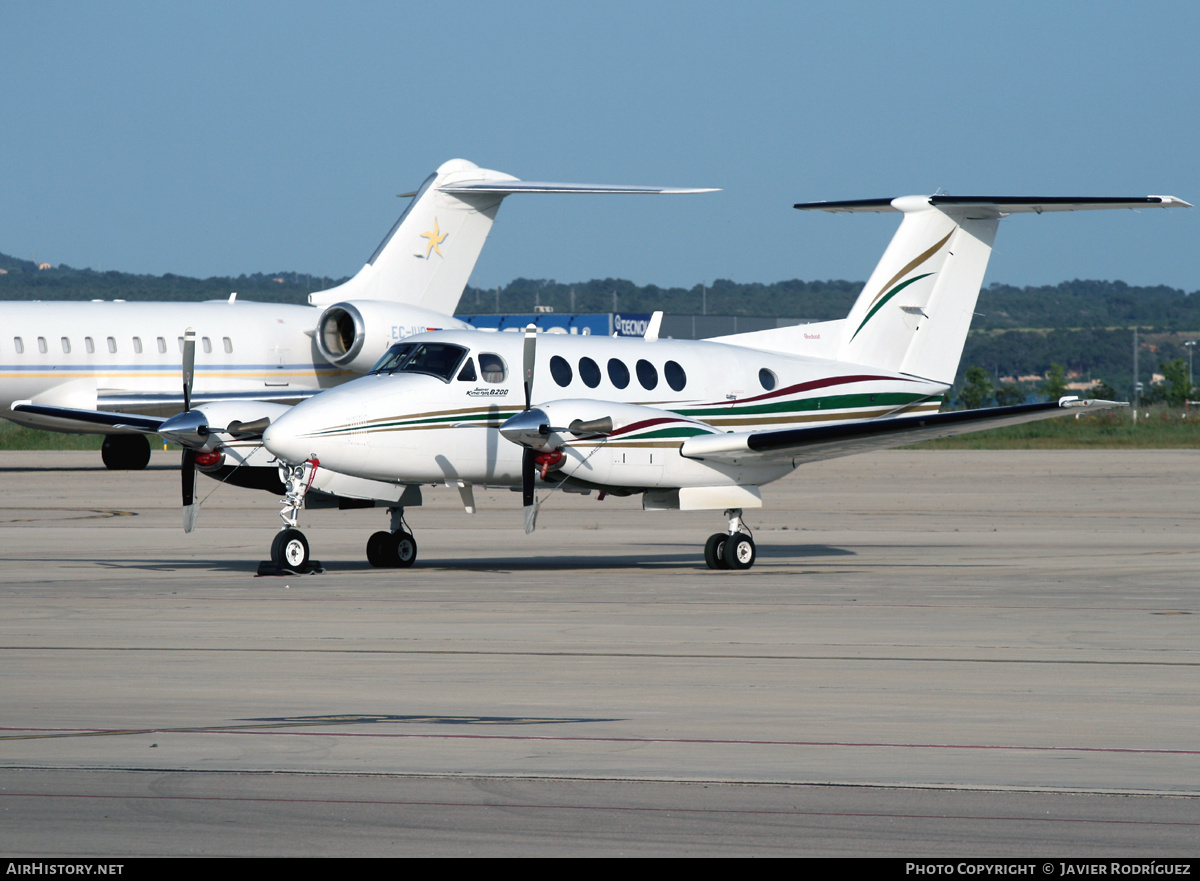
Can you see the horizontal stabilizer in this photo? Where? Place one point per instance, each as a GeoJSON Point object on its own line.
{"type": "Point", "coordinates": [998, 206]}
{"type": "Point", "coordinates": [801, 445]}
{"type": "Point", "coordinates": [508, 188]}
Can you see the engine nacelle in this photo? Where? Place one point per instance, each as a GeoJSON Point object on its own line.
{"type": "Point", "coordinates": [604, 442]}
{"type": "Point", "coordinates": [356, 333]}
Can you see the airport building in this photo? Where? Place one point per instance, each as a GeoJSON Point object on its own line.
{"type": "Point", "coordinates": [680, 327]}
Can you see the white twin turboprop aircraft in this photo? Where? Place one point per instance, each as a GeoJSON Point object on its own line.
{"type": "Point", "coordinates": [690, 425]}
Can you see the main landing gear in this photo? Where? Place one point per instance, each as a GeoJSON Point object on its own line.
{"type": "Point", "coordinates": [393, 550]}
{"type": "Point", "coordinates": [733, 549]}
{"type": "Point", "coordinates": [125, 452]}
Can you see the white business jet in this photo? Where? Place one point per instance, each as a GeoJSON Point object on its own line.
{"type": "Point", "coordinates": [690, 425]}
{"type": "Point", "coordinates": [254, 359]}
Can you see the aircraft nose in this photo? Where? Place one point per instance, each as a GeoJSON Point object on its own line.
{"type": "Point", "coordinates": [284, 441]}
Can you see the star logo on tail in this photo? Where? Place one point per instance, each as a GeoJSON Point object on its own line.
{"type": "Point", "coordinates": [435, 239]}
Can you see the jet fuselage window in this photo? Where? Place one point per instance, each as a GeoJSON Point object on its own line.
{"type": "Point", "coordinates": [19, 345]}
{"type": "Point", "coordinates": [66, 344]}
{"type": "Point", "coordinates": [89, 345]}
{"type": "Point", "coordinates": [207, 345]}
{"type": "Point", "coordinates": [618, 373]}
{"type": "Point", "coordinates": [492, 367]}
{"type": "Point", "coordinates": [674, 375]}
{"type": "Point", "coordinates": [647, 375]}
{"type": "Point", "coordinates": [767, 379]}
{"type": "Point", "coordinates": [112, 344]}
{"type": "Point", "coordinates": [162, 346]}
{"type": "Point", "coordinates": [561, 371]}
{"type": "Point", "coordinates": [42, 345]}
{"type": "Point", "coordinates": [137, 345]}
{"type": "Point", "coordinates": [589, 372]}
{"type": "Point", "coordinates": [228, 345]}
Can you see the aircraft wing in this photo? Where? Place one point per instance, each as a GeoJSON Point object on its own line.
{"type": "Point", "coordinates": [801, 445]}
{"type": "Point", "coordinates": [90, 419]}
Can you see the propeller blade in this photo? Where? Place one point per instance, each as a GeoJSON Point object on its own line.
{"type": "Point", "coordinates": [527, 361]}
{"type": "Point", "coordinates": [528, 469]}
{"type": "Point", "coordinates": [187, 469]}
{"type": "Point", "coordinates": [189, 365]}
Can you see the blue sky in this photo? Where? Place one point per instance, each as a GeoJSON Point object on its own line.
{"type": "Point", "coordinates": [221, 138]}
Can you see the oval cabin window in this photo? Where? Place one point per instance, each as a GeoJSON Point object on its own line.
{"type": "Point", "coordinates": [589, 372]}
{"type": "Point", "coordinates": [674, 375]}
{"type": "Point", "coordinates": [647, 374]}
{"type": "Point", "coordinates": [561, 371]}
{"type": "Point", "coordinates": [618, 373]}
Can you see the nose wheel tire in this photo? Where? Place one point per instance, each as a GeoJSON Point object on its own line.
{"type": "Point", "coordinates": [289, 550]}
{"type": "Point", "coordinates": [739, 551]}
{"type": "Point", "coordinates": [391, 550]}
{"type": "Point", "coordinates": [714, 551]}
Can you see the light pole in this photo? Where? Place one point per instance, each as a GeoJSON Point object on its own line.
{"type": "Point", "coordinates": [1191, 347]}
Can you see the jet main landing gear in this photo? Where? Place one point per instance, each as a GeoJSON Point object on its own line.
{"type": "Point", "coordinates": [733, 549]}
{"type": "Point", "coordinates": [125, 452]}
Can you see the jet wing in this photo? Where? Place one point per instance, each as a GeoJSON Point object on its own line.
{"type": "Point", "coordinates": [91, 419]}
{"type": "Point", "coordinates": [801, 445]}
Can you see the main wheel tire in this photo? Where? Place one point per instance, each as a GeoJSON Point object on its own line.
{"type": "Point", "coordinates": [739, 551]}
{"type": "Point", "coordinates": [714, 551]}
{"type": "Point", "coordinates": [401, 550]}
{"type": "Point", "coordinates": [290, 550]}
{"type": "Point", "coordinates": [125, 452]}
{"type": "Point", "coordinates": [377, 548]}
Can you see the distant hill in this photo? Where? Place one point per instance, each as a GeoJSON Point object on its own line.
{"type": "Point", "coordinates": [23, 280]}
{"type": "Point", "coordinates": [1083, 325]}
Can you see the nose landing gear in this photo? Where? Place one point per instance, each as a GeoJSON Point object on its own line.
{"type": "Point", "coordinates": [289, 551]}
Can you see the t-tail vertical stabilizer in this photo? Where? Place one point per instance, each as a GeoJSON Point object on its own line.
{"type": "Point", "coordinates": [429, 254]}
{"type": "Point", "coordinates": [913, 315]}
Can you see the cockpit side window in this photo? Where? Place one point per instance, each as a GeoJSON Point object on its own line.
{"type": "Point", "coordinates": [436, 359]}
{"type": "Point", "coordinates": [467, 374]}
{"type": "Point", "coordinates": [392, 358]}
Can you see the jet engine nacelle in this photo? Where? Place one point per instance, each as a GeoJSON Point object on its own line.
{"type": "Point", "coordinates": [355, 334]}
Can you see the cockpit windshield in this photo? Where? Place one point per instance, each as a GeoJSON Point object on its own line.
{"type": "Point", "coordinates": [436, 359]}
